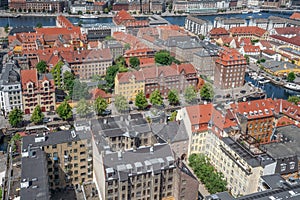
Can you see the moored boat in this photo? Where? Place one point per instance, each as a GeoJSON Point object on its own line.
{"type": "Point", "coordinates": [292, 86]}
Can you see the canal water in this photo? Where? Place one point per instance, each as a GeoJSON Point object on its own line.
{"type": "Point", "coordinates": [272, 90]}
{"type": "Point", "coordinates": [178, 20]}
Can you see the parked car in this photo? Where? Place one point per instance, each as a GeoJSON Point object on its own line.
{"type": "Point", "coordinates": [106, 112]}
{"type": "Point", "coordinates": [46, 120]}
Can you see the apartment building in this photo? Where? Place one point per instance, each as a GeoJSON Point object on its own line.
{"type": "Point", "coordinates": [147, 172]}
{"type": "Point", "coordinates": [124, 132]}
{"type": "Point", "coordinates": [284, 149]}
{"type": "Point", "coordinates": [252, 32]}
{"type": "Point", "coordinates": [115, 47]}
{"type": "Point", "coordinates": [271, 187]}
{"type": "Point", "coordinates": [10, 89]}
{"type": "Point", "coordinates": [175, 134]}
{"type": "Point", "coordinates": [256, 118]}
{"type": "Point", "coordinates": [87, 63]}
{"type": "Point", "coordinates": [163, 79]}
{"type": "Point", "coordinates": [129, 84]}
{"type": "Point", "coordinates": [38, 6]}
{"type": "Point", "coordinates": [230, 69]}
{"type": "Point", "coordinates": [34, 175]}
{"type": "Point", "coordinates": [240, 162]}
{"type": "Point", "coordinates": [67, 155]}
{"type": "Point", "coordinates": [199, 119]}
{"type": "Point", "coordinates": [37, 89]}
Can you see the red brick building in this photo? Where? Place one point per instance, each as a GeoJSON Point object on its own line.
{"type": "Point", "coordinates": [256, 118]}
{"type": "Point", "coordinates": [37, 90]}
{"type": "Point", "coordinates": [230, 69]}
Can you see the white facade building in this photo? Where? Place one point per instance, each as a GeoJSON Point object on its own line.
{"type": "Point", "coordinates": [10, 89]}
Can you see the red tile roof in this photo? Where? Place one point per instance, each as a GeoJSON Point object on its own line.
{"type": "Point", "coordinates": [288, 31]}
{"type": "Point", "coordinates": [266, 44]}
{"type": "Point", "coordinates": [29, 75]}
{"type": "Point", "coordinates": [251, 49]}
{"type": "Point", "coordinates": [228, 54]}
{"type": "Point", "coordinates": [269, 52]}
{"type": "Point", "coordinates": [64, 22]}
{"type": "Point", "coordinates": [226, 39]}
{"type": "Point", "coordinates": [202, 114]}
{"type": "Point", "coordinates": [294, 40]}
{"type": "Point", "coordinates": [295, 15]}
{"type": "Point", "coordinates": [146, 62]}
{"type": "Point", "coordinates": [284, 121]}
{"type": "Point", "coordinates": [122, 17]}
{"type": "Point", "coordinates": [86, 55]}
{"type": "Point", "coordinates": [98, 92]}
{"type": "Point", "coordinates": [254, 109]}
{"type": "Point", "coordinates": [218, 31]}
{"type": "Point", "coordinates": [253, 30]}
{"type": "Point", "coordinates": [287, 108]}
{"type": "Point", "coordinates": [155, 72]}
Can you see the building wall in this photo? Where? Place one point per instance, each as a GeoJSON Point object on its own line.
{"type": "Point", "coordinates": [198, 142]}
{"type": "Point", "coordinates": [69, 164]}
{"type": "Point", "coordinates": [230, 75]}
{"type": "Point", "coordinates": [261, 129]}
{"type": "Point", "coordinates": [129, 89]}
{"type": "Point", "coordinates": [11, 97]}
{"type": "Point", "coordinates": [33, 96]}
{"type": "Point", "coordinates": [150, 186]}
{"type": "Point", "coordinates": [242, 179]}
{"type": "Point", "coordinates": [86, 70]}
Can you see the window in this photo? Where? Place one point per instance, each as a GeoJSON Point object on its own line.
{"type": "Point", "coordinates": [292, 165]}
{"type": "Point", "coordinates": [282, 167]}
{"type": "Point", "coordinates": [54, 146]}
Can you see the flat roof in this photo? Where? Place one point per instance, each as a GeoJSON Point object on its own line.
{"type": "Point", "coordinates": [35, 173]}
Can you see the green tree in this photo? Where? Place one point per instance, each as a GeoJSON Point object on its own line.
{"type": "Point", "coordinates": [6, 28]}
{"type": "Point", "coordinates": [108, 38]}
{"type": "Point", "coordinates": [207, 92]}
{"type": "Point", "coordinates": [126, 46]}
{"type": "Point", "coordinates": [64, 110]}
{"type": "Point", "coordinates": [80, 90]}
{"type": "Point", "coordinates": [41, 66]}
{"type": "Point", "coordinates": [37, 115]}
{"type": "Point", "coordinates": [15, 117]}
{"type": "Point", "coordinates": [82, 108]}
{"type": "Point", "coordinates": [247, 59]}
{"type": "Point", "coordinates": [291, 77]}
{"type": "Point", "coordinates": [173, 97]}
{"type": "Point", "coordinates": [134, 62]}
{"type": "Point", "coordinates": [121, 103]}
{"type": "Point", "coordinates": [111, 74]}
{"type": "Point", "coordinates": [68, 79]}
{"type": "Point", "coordinates": [39, 25]}
{"type": "Point", "coordinates": [156, 98]}
{"type": "Point", "coordinates": [56, 73]}
{"type": "Point", "coordinates": [201, 37]}
{"type": "Point", "coordinates": [141, 101]}
{"type": "Point", "coordinates": [294, 99]}
{"type": "Point", "coordinates": [213, 181]}
{"type": "Point", "coordinates": [100, 105]}
{"type": "Point", "coordinates": [106, 11]}
{"type": "Point", "coordinates": [79, 13]}
{"type": "Point", "coordinates": [13, 140]}
{"type": "Point", "coordinates": [163, 57]}
{"type": "Point", "coordinates": [173, 116]}
{"type": "Point", "coordinates": [190, 94]}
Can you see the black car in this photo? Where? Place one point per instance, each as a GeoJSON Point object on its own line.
{"type": "Point", "coordinates": [106, 112]}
